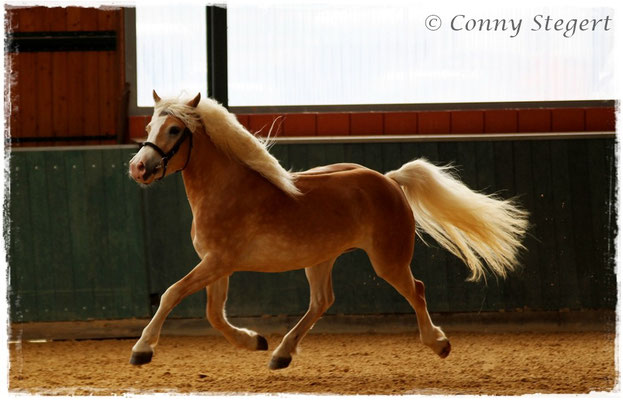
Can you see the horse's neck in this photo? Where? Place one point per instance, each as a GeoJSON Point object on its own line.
{"type": "Point", "coordinates": [212, 177]}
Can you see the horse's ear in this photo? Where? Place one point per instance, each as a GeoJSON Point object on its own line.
{"type": "Point", "coordinates": [194, 102]}
{"type": "Point", "coordinates": [156, 97]}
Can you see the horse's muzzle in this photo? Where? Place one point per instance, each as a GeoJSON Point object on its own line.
{"type": "Point", "coordinates": [142, 172]}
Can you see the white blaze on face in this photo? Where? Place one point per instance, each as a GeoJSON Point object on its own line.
{"type": "Point", "coordinates": [147, 155]}
{"type": "Point", "coordinates": [155, 125]}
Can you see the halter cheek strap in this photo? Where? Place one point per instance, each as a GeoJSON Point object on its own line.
{"type": "Point", "coordinates": [166, 157]}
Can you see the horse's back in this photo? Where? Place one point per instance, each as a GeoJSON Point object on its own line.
{"type": "Point", "coordinates": [348, 179]}
{"type": "Point", "coordinates": [330, 169]}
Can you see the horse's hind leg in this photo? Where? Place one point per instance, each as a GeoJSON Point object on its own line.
{"type": "Point", "coordinates": [401, 278]}
{"type": "Point", "coordinates": [215, 312]}
{"type": "Point", "coordinates": [320, 299]}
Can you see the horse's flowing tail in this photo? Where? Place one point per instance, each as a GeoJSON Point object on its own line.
{"type": "Point", "coordinates": [473, 226]}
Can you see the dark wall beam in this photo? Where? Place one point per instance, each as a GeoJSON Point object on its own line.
{"type": "Point", "coordinates": [61, 41]}
{"type": "Point", "coordinates": [217, 53]}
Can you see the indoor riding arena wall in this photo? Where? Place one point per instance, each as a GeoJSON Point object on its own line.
{"type": "Point", "coordinates": [89, 246]}
{"type": "Point", "coordinates": [85, 242]}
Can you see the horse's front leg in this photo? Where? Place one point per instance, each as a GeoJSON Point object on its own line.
{"type": "Point", "coordinates": [215, 312]}
{"type": "Point", "coordinates": [206, 272]}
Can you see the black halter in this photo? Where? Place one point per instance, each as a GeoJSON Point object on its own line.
{"type": "Point", "coordinates": [166, 157]}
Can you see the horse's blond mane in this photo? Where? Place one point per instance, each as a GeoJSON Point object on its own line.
{"type": "Point", "coordinates": [231, 137]}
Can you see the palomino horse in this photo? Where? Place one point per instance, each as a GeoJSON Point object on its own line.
{"type": "Point", "coordinates": [250, 214]}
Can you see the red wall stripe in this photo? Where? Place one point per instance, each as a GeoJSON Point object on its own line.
{"type": "Point", "coordinates": [333, 124]}
{"type": "Point", "coordinates": [400, 123]}
{"type": "Point", "coordinates": [433, 122]}
{"type": "Point", "coordinates": [299, 124]}
{"type": "Point", "coordinates": [421, 122]}
{"type": "Point", "coordinates": [600, 119]}
{"type": "Point", "coordinates": [369, 123]}
{"type": "Point", "coordinates": [262, 123]}
{"type": "Point", "coordinates": [467, 121]}
{"type": "Point", "coordinates": [535, 120]}
{"type": "Point", "coordinates": [568, 120]}
{"type": "Point", "coordinates": [500, 121]}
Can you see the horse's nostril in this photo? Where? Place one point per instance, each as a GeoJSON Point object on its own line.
{"type": "Point", "coordinates": [141, 166]}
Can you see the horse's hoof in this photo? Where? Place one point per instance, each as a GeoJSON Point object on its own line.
{"type": "Point", "coordinates": [140, 358]}
{"type": "Point", "coordinates": [445, 351]}
{"type": "Point", "coordinates": [279, 362]}
{"type": "Point", "coordinates": [262, 344]}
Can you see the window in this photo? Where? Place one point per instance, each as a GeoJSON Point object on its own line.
{"type": "Point", "coordinates": [170, 50]}
{"type": "Point", "coordinates": [313, 54]}
{"type": "Point", "coordinates": [336, 53]}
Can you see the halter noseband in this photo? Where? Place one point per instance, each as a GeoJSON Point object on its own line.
{"type": "Point", "coordinates": [166, 157]}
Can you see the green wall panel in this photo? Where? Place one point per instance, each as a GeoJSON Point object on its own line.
{"type": "Point", "coordinates": [76, 247]}
{"type": "Point", "coordinates": [170, 254]}
{"type": "Point", "coordinates": [87, 242]}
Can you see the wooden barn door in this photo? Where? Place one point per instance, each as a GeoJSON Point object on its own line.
{"type": "Point", "coordinates": [66, 75]}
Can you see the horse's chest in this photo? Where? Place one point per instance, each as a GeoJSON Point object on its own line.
{"type": "Point", "coordinates": [222, 236]}
{"type": "Point", "coordinates": [206, 238]}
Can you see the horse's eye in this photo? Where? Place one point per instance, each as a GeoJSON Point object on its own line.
{"type": "Point", "coordinates": [174, 130]}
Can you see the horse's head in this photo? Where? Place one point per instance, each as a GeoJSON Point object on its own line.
{"type": "Point", "coordinates": [168, 145]}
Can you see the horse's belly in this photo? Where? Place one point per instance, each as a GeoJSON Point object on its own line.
{"type": "Point", "coordinates": [279, 254]}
